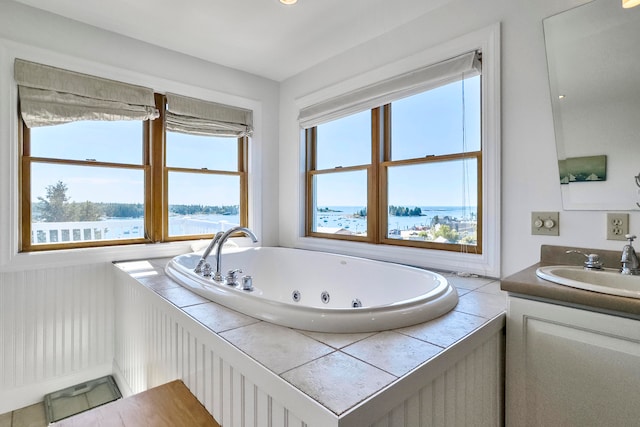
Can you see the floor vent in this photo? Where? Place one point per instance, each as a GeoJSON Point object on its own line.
{"type": "Point", "coordinates": [79, 398]}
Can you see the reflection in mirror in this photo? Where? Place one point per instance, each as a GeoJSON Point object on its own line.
{"type": "Point", "coordinates": [593, 56]}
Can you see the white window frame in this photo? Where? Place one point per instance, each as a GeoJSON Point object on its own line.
{"type": "Point", "coordinates": [13, 260]}
{"type": "Point", "coordinates": [487, 40]}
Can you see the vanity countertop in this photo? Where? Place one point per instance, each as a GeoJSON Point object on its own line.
{"type": "Point", "coordinates": [526, 283]}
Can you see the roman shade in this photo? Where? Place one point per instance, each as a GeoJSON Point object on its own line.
{"type": "Point", "coordinates": [50, 96]}
{"type": "Point", "coordinates": [196, 117]}
{"type": "Point", "coordinates": [386, 91]}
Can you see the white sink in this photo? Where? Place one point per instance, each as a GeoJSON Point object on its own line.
{"type": "Point", "coordinates": [607, 281]}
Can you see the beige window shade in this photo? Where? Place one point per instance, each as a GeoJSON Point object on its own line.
{"type": "Point", "coordinates": [386, 91]}
{"type": "Point", "coordinates": [197, 117]}
{"type": "Point", "coordinates": [51, 96]}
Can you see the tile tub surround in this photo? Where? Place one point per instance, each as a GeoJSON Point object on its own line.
{"type": "Point", "coordinates": [526, 282]}
{"type": "Point", "coordinates": [339, 371]}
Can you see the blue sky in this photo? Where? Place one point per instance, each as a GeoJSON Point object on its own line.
{"type": "Point", "coordinates": [120, 142]}
{"type": "Point", "coordinates": [425, 124]}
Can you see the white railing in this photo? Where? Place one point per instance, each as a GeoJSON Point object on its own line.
{"type": "Point", "coordinates": [185, 226]}
{"type": "Point", "coordinates": [114, 229]}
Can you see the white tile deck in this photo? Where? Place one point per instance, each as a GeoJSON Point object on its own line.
{"type": "Point", "coordinates": [393, 352]}
{"type": "Point", "coordinates": [361, 364]}
{"type": "Point", "coordinates": [338, 381]}
{"type": "Point", "coordinates": [278, 348]}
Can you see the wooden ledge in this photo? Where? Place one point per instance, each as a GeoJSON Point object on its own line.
{"type": "Point", "coordinates": [168, 405]}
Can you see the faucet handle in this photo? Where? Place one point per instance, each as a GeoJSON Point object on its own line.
{"type": "Point", "coordinates": [206, 270]}
{"type": "Point", "coordinates": [630, 238]}
{"type": "Point", "coordinates": [592, 262]}
{"type": "Point", "coordinates": [247, 283]}
{"type": "Point", "coordinates": [232, 277]}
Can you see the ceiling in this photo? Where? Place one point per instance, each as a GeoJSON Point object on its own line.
{"type": "Point", "coordinates": [262, 37]}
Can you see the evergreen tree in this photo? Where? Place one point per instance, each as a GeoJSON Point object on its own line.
{"type": "Point", "coordinates": [54, 204]}
{"type": "Point", "coordinates": [404, 211]}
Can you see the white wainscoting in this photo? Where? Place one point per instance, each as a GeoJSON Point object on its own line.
{"type": "Point", "coordinates": [469, 393]}
{"type": "Point", "coordinates": [156, 342]}
{"type": "Point", "coordinates": [56, 330]}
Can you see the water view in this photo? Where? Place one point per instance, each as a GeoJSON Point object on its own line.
{"type": "Point", "coordinates": [453, 224]}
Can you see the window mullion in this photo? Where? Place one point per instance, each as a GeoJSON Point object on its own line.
{"type": "Point", "coordinates": [156, 220]}
{"type": "Point", "coordinates": [375, 197]}
{"type": "Point", "coordinates": [386, 132]}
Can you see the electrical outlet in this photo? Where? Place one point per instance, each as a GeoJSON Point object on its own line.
{"type": "Point", "coordinates": [617, 226]}
{"type": "Point", "coordinates": [545, 223]}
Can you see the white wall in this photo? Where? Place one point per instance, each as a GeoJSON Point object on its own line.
{"type": "Point", "coordinates": [529, 169]}
{"type": "Point", "coordinates": [41, 36]}
{"type": "Point", "coordinates": [56, 310]}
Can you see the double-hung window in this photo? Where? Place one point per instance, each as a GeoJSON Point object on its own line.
{"type": "Point", "coordinates": [77, 175]}
{"type": "Point", "coordinates": [400, 163]}
{"type": "Point", "coordinates": [206, 161]}
{"type": "Point", "coordinates": [106, 163]}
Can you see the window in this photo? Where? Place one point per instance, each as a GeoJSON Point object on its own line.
{"type": "Point", "coordinates": [206, 181]}
{"type": "Point", "coordinates": [407, 170]}
{"type": "Point", "coordinates": [94, 176]}
{"type": "Point", "coordinates": [83, 183]}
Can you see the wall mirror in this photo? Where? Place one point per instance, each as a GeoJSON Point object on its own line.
{"type": "Point", "coordinates": [593, 59]}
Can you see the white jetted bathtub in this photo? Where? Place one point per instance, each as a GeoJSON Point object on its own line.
{"type": "Point", "coordinates": [319, 291]}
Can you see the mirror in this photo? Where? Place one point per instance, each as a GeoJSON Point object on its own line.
{"type": "Point", "coordinates": [593, 57]}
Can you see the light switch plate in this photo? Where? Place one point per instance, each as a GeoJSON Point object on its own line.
{"type": "Point", "coordinates": [545, 223]}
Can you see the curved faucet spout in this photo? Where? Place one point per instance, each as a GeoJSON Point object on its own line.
{"type": "Point", "coordinates": [218, 276]}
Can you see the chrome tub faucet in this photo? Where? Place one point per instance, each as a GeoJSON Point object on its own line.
{"type": "Point", "coordinates": [218, 276]}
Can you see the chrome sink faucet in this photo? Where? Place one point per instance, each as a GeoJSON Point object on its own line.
{"type": "Point", "coordinates": [591, 263]}
{"type": "Point", "coordinates": [218, 276]}
{"type": "Point", "coordinates": [629, 260]}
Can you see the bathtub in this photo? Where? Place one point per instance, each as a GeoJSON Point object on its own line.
{"type": "Point", "coordinates": [322, 292]}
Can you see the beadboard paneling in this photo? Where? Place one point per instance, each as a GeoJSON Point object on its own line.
{"type": "Point", "coordinates": [154, 346]}
{"type": "Point", "coordinates": [56, 330]}
{"type": "Point", "coordinates": [468, 393]}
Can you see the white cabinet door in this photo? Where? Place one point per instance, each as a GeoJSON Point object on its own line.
{"type": "Point", "coordinates": [570, 367]}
